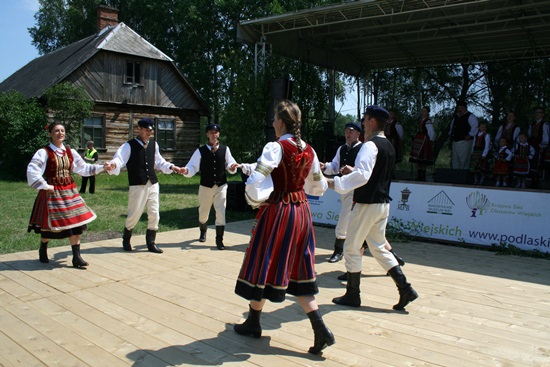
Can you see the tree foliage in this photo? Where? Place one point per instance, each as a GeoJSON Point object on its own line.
{"type": "Point", "coordinates": [23, 123]}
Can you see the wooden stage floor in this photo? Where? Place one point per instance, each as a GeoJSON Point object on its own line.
{"type": "Point", "coordinates": [178, 308]}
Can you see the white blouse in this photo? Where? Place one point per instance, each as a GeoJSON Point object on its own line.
{"type": "Point", "coordinates": [37, 167]}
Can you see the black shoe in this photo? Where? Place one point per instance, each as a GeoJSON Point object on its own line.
{"type": "Point", "coordinates": [352, 296]}
{"type": "Point", "coordinates": [150, 237]}
{"type": "Point", "coordinates": [336, 257]}
{"type": "Point", "coordinates": [323, 337]}
{"type": "Point", "coordinates": [251, 327]}
{"type": "Point", "coordinates": [78, 262]}
{"type": "Point", "coordinates": [343, 277]}
{"type": "Point", "coordinates": [43, 253]}
{"type": "Point", "coordinates": [126, 236]}
{"type": "Point", "coordinates": [203, 227]}
{"type": "Point", "coordinates": [219, 237]}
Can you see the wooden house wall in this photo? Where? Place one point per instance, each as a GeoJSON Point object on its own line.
{"type": "Point", "coordinates": [162, 93]}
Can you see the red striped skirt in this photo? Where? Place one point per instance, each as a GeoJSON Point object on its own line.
{"type": "Point", "coordinates": [521, 166]}
{"type": "Point", "coordinates": [60, 214]}
{"type": "Point", "coordinates": [421, 150]}
{"type": "Point", "coordinates": [280, 257]}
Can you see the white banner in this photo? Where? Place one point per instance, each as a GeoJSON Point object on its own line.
{"type": "Point", "coordinates": [470, 215]}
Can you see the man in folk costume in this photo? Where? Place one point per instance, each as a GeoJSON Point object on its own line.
{"type": "Point", "coordinates": [212, 160]}
{"type": "Point", "coordinates": [345, 155]}
{"type": "Point", "coordinates": [370, 181]}
{"type": "Point", "coordinates": [142, 157]}
{"type": "Point", "coordinates": [463, 129]}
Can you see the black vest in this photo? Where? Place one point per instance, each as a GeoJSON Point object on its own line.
{"type": "Point", "coordinates": [461, 127]}
{"type": "Point", "coordinates": [141, 164]}
{"type": "Point", "coordinates": [347, 157]}
{"type": "Point", "coordinates": [377, 189]}
{"type": "Point", "coordinates": [213, 166]}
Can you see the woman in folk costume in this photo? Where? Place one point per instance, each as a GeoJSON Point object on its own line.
{"type": "Point", "coordinates": [523, 153]}
{"type": "Point", "coordinates": [59, 211]}
{"type": "Point", "coordinates": [479, 165]}
{"type": "Point", "coordinates": [421, 148]}
{"type": "Point", "coordinates": [280, 257]}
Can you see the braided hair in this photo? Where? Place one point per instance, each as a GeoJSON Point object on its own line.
{"type": "Point", "coordinates": [291, 115]}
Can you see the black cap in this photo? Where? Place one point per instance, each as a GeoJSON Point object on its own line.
{"type": "Point", "coordinates": [146, 123]}
{"type": "Point", "coordinates": [377, 111]}
{"type": "Point", "coordinates": [353, 125]}
{"type": "Point", "coordinates": [212, 127]}
{"type": "Point", "coordinates": [461, 102]}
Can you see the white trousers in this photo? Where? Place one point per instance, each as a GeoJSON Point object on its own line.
{"type": "Point", "coordinates": [140, 196]}
{"type": "Point", "coordinates": [345, 213]}
{"type": "Point", "coordinates": [212, 195]}
{"type": "Point", "coordinates": [462, 150]}
{"type": "Point", "coordinates": [368, 222]}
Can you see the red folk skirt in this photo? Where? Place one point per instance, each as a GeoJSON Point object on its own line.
{"type": "Point", "coordinates": [60, 214]}
{"type": "Point", "coordinates": [280, 257]}
{"type": "Point", "coordinates": [421, 150]}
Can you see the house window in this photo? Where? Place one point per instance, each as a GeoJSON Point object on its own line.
{"type": "Point", "coordinates": [166, 133]}
{"type": "Point", "coordinates": [133, 73]}
{"type": "Point", "coordinates": [93, 129]}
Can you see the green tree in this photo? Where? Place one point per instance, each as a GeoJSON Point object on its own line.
{"type": "Point", "coordinates": [23, 125]}
{"type": "Point", "coordinates": [69, 105]}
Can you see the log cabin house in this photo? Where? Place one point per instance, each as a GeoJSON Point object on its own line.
{"type": "Point", "coordinates": [128, 79]}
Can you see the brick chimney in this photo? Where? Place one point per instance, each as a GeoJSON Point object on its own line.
{"type": "Point", "coordinates": [106, 16]}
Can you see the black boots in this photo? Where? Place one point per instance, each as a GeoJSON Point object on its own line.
{"type": "Point", "coordinates": [43, 252]}
{"type": "Point", "coordinates": [150, 239]}
{"type": "Point", "coordinates": [126, 239]}
{"type": "Point", "coordinates": [352, 297]}
{"type": "Point", "coordinates": [219, 237]}
{"type": "Point", "coordinates": [406, 293]}
{"type": "Point", "coordinates": [323, 336]}
{"type": "Point", "coordinates": [203, 227]}
{"type": "Point", "coordinates": [78, 262]}
{"type": "Point", "coordinates": [251, 327]}
{"type": "Point", "coordinates": [338, 253]}
{"type": "Point", "coordinates": [400, 261]}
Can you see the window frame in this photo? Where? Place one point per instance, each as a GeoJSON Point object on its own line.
{"type": "Point", "coordinates": [84, 140]}
{"type": "Point", "coordinates": [131, 79]}
{"type": "Point", "coordinates": [158, 131]}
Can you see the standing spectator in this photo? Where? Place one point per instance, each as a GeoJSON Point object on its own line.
{"type": "Point", "coordinates": [523, 154]}
{"type": "Point", "coordinates": [503, 159]}
{"type": "Point", "coordinates": [59, 211]}
{"type": "Point", "coordinates": [463, 129]}
{"type": "Point", "coordinates": [141, 156]}
{"type": "Point", "coordinates": [421, 148]}
{"type": "Point", "coordinates": [212, 160]}
{"type": "Point", "coordinates": [479, 165]}
{"type": "Point", "coordinates": [539, 137]}
{"type": "Point", "coordinates": [394, 133]}
{"type": "Point", "coordinates": [280, 257]}
{"type": "Point", "coordinates": [345, 156]}
{"type": "Point", "coordinates": [370, 180]}
{"type": "Point", "coordinates": [509, 130]}
{"type": "Point", "coordinates": [90, 156]}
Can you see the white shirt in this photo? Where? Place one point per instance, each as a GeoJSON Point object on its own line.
{"type": "Point", "coordinates": [37, 167]}
{"type": "Point", "coordinates": [514, 135]}
{"type": "Point", "coordinates": [333, 168]}
{"type": "Point", "coordinates": [259, 184]}
{"type": "Point", "coordinates": [123, 154]}
{"type": "Point", "coordinates": [194, 164]}
{"type": "Point", "coordinates": [474, 125]}
{"type": "Point", "coordinates": [364, 165]}
{"type": "Point", "coordinates": [545, 134]}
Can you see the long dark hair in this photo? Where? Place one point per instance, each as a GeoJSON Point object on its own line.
{"type": "Point", "coordinates": [291, 115]}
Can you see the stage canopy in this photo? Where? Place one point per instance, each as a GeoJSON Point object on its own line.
{"type": "Point", "coordinates": [358, 36]}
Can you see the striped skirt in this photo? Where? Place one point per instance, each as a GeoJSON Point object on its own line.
{"type": "Point", "coordinates": [280, 257]}
{"type": "Point", "coordinates": [421, 150]}
{"type": "Point", "coordinates": [60, 214]}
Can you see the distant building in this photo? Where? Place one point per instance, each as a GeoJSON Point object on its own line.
{"type": "Point", "coordinates": [128, 79]}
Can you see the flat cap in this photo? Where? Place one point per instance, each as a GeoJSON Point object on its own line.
{"type": "Point", "coordinates": [212, 127]}
{"type": "Point", "coordinates": [146, 123]}
{"type": "Point", "coordinates": [377, 111]}
{"type": "Point", "coordinates": [353, 125]}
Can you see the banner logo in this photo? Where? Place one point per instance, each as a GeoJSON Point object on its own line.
{"type": "Point", "coordinates": [404, 199]}
{"type": "Point", "coordinates": [441, 204]}
{"type": "Point", "coordinates": [477, 202]}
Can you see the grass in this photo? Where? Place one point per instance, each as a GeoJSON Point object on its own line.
{"type": "Point", "coordinates": [178, 209]}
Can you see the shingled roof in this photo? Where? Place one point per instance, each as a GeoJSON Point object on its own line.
{"type": "Point", "coordinates": [51, 69]}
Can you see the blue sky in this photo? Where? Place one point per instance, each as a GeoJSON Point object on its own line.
{"type": "Point", "coordinates": [15, 17]}
{"type": "Point", "coordinates": [18, 15]}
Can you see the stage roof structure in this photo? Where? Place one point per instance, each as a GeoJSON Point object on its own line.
{"type": "Point", "coordinates": [358, 36]}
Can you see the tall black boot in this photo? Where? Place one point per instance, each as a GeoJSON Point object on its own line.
{"type": "Point", "coordinates": [400, 261]}
{"type": "Point", "coordinates": [219, 237]}
{"type": "Point", "coordinates": [203, 227]}
{"type": "Point", "coordinates": [78, 262]}
{"type": "Point", "coordinates": [251, 327]}
{"type": "Point", "coordinates": [406, 293]}
{"type": "Point", "coordinates": [43, 252]}
{"type": "Point", "coordinates": [323, 335]}
{"type": "Point", "coordinates": [338, 253]}
{"type": "Point", "coordinates": [352, 297]}
{"type": "Point", "coordinates": [150, 239]}
{"type": "Point", "coordinates": [126, 239]}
